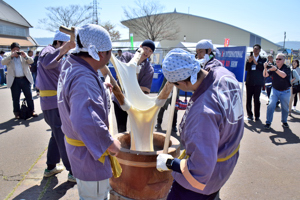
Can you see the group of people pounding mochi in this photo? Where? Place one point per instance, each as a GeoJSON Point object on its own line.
{"type": "Point", "coordinates": [211, 128]}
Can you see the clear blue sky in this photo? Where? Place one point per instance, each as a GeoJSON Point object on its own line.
{"type": "Point", "coordinates": [266, 18]}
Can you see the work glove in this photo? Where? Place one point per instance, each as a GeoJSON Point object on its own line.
{"type": "Point", "coordinates": [161, 162]}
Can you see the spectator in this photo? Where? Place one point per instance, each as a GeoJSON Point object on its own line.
{"type": "Point", "coordinates": [295, 83]}
{"type": "Point", "coordinates": [30, 53]}
{"type": "Point", "coordinates": [254, 81]}
{"type": "Point", "coordinates": [2, 73]}
{"type": "Point", "coordinates": [19, 77]}
{"type": "Point", "coordinates": [120, 56]}
{"type": "Point", "coordinates": [280, 89]}
{"type": "Point", "coordinates": [33, 69]}
{"type": "Point", "coordinates": [268, 80]}
{"type": "Point", "coordinates": [49, 66]}
{"type": "Point", "coordinates": [145, 76]}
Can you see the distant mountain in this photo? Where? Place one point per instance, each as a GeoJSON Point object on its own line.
{"type": "Point", "coordinates": [291, 44]}
{"type": "Point", "coordinates": [44, 41]}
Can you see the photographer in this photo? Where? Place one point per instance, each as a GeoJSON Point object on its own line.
{"type": "Point", "coordinates": [280, 89]}
{"type": "Point", "coordinates": [295, 81]}
{"type": "Point", "coordinates": [254, 81]}
{"type": "Point", "coordinates": [19, 78]}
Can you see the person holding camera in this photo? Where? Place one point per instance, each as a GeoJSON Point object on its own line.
{"type": "Point", "coordinates": [254, 81]}
{"type": "Point", "coordinates": [280, 89]}
{"type": "Point", "coordinates": [19, 78]}
{"type": "Point", "coordinates": [295, 83]}
{"type": "Point", "coordinates": [268, 80]}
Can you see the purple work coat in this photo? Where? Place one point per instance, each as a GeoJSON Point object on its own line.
{"type": "Point", "coordinates": [82, 104]}
{"type": "Point", "coordinates": [212, 128]}
{"type": "Point", "coordinates": [47, 75]}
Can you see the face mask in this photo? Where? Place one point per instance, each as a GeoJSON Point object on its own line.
{"type": "Point", "coordinates": [204, 60]}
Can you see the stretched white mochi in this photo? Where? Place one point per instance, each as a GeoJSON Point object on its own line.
{"type": "Point", "coordinates": [141, 108]}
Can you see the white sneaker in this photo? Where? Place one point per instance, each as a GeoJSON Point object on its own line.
{"type": "Point", "coordinates": [294, 108]}
{"type": "Point", "coordinates": [54, 171]}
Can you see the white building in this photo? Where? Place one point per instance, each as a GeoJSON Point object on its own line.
{"type": "Point", "coordinates": [194, 28]}
{"type": "Point", "coordinates": [14, 28]}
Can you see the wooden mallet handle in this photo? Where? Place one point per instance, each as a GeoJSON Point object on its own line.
{"type": "Point", "coordinates": [170, 122]}
{"type": "Point", "coordinates": [69, 31]}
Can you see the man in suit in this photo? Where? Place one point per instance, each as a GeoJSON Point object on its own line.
{"type": "Point", "coordinates": [19, 77]}
{"type": "Point", "coordinates": [254, 81]}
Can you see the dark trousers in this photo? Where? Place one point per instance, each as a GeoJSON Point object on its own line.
{"type": "Point", "coordinates": [295, 99]}
{"type": "Point", "coordinates": [180, 193]}
{"type": "Point", "coordinates": [56, 146]}
{"type": "Point", "coordinates": [2, 77]}
{"type": "Point", "coordinates": [34, 78]}
{"type": "Point", "coordinates": [253, 91]}
{"type": "Point", "coordinates": [161, 114]}
{"type": "Point", "coordinates": [21, 85]}
{"type": "Point", "coordinates": [121, 117]}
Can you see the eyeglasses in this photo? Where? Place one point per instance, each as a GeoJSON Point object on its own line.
{"type": "Point", "coordinates": [278, 58]}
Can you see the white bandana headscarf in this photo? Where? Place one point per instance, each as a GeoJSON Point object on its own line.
{"type": "Point", "coordinates": [207, 44]}
{"type": "Point", "coordinates": [94, 39]}
{"type": "Point", "coordinates": [179, 64]}
{"type": "Point", "coordinates": [60, 36]}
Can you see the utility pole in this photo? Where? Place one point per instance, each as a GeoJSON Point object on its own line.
{"type": "Point", "coordinates": [284, 40]}
{"type": "Point", "coordinates": [95, 13]}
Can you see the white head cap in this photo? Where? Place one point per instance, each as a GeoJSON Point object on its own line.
{"type": "Point", "coordinates": [94, 39]}
{"type": "Point", "coordinates": [60, 36]}
{"type": "Point", "coordinates": [179, 64]}
{"type": "Point", "coordinates": [205, 44]}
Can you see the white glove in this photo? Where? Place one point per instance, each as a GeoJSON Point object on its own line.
{"type": "Point", "coordinates": [161, 162]}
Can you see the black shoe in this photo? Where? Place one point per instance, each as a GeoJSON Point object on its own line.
{"type": "Point", "coordinates": [250, 118]}
{"type": "Point", "coordinates": [257, 119]}
{"type": "Point", "coordinates": [285, 125]}
{"type": "Point", "coordinates": [267, 126]}
{"type": "Point", "coordinates": [158, 127]}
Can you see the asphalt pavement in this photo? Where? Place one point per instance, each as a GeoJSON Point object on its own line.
{"type": "Point", "coordinates": [268, 167]}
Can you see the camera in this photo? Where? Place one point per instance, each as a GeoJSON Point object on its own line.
{"type": "Point", "coordinates": [19, 53]}
{"type": "Point", "coordinates": [251, 53]}
{"type": "Point", "coordinates": [269, 65]}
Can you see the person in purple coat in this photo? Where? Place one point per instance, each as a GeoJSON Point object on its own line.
{"type": "Point", "coordinates": [204, 50]}
{"type": "Point", "coordinates": [145, 76]}
{"type": "Point", "coordinates": [211, 128]}
{"type": "Point", "coordinates": [49, 65]}
{"type": "Point", "coordinates": [84, 109]}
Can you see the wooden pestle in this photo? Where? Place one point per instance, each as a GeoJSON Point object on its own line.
{"type": "Point", "coordinates": [116, 89]}
{"type": "Point", "coordinates": [69, 31]}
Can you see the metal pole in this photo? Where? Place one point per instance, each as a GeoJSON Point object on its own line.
{"type": "Point", "coordinates": [284, 40]}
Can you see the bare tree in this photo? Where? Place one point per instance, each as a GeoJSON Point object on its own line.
{"type": "Point", "coordinates": [73, 15]}
{"type": "Point", "coordinates": [147, 21]}
{"type": "Point", "coordinates": [115, 35]}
